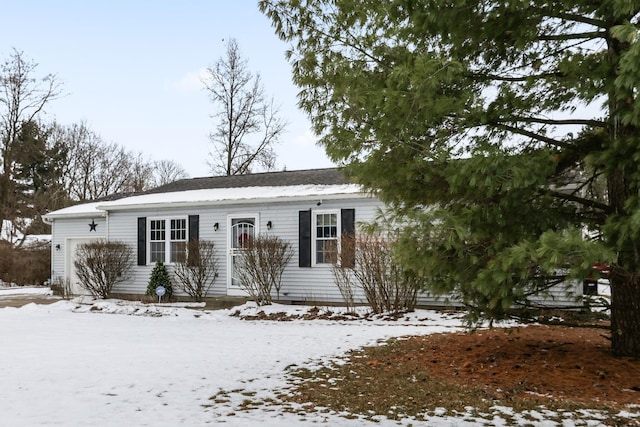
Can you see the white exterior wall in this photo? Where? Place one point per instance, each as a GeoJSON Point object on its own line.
{"type": "Point", "coordinates": [63, 230]}
{"type": "Point", "coordinates": [299, 284]}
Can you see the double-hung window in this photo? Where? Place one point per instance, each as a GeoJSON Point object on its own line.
{"type": "Point", "coordinates": [326, 235]}
{"type": "Point", "coordinates": [319, 234]}
{"type": "Point", "coordinates": [167, 239]}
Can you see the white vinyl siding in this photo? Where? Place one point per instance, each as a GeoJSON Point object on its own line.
{"type": "Point", "coordinates": [298, 284]}
{"type": "Point", "coordinates": [65, 229]}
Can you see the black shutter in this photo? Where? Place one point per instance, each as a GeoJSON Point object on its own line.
{"type": "Point", "coordinates": [348, 220]}
{"type": "Point", "coordinates": [142, 241]}
{"type": "Point", "coordinates": [194, 227]}
{"type": "Point", "coordinates": [348, 224]}
{"type": "Point", "coordinates": [304, 236]}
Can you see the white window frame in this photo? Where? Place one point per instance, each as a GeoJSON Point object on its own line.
{"type": "Point", "coordinates": [167, 237]}
{"type": "Point", "coordinates": [314, 234]}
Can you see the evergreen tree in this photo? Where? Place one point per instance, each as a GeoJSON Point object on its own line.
{"type": "Point", "coordinates": [23, 97]}
{"type": "Point", "coordinates": [498, 131]}
{"type": "Point", "coordinates": [38, 169]}
{"type": "Point", "coordinates": [160, 277]}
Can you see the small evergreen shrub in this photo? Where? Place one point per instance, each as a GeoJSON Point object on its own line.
{"type": "Point", "coordinates": [160, 277]}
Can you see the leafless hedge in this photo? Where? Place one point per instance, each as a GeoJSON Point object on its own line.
{"type": "Point", "coordinates": [260, 265]}
{"type": "Point", "coordinates": [197, 270]}
{"type": "Point", "coordinates": [366, 261]}
{"type": "Point", "coordinates": [25, 265]}
{"type": "Point", "coordinates": [102, 264]}
{"type": "Point", "coordinates": [62, 286]}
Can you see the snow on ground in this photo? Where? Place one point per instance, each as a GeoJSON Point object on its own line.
{"type": "Point", "coordinates": [24, 290]}
{"type": "Point", "coordinates": [117, 363]}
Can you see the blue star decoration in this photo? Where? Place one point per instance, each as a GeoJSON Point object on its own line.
{"type": "Point", "coordinates": [92, 226]}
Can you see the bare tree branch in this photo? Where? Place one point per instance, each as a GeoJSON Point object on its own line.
{"type": "Point", "coordinates": [247, 126]}
{"type": "Point", "coordinates": [167, 171]}
{"type": "Point", "coordinates": [22, 98]}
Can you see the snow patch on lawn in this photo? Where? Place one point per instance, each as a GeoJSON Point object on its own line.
{"type": "Point", "coordinates": [115, 363]}
{"type": "Point", "coordinates": [24, 290]}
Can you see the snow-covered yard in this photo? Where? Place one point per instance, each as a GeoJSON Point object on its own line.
{"type": "Point", "coordinates": [116, 363]}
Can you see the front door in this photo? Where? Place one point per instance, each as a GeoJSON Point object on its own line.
{"type": "Point", "coordinates": [242, 228]}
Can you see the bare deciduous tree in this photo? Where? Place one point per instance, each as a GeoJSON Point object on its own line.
{"type": "Point", "coordinates": [95, 168]}
{"type": "Point", "coordinates": [247, 123]}
{"type": "Point", "coordinates": [102, 264]}
{"type": "Point", "coordinates": [167, 171]}
{"type": "Point", "coordinates": [23, 97]}
{"type": "Point", "coordinates": [140, 176]}
{"type": "Point", "coordinates": [197, 270]}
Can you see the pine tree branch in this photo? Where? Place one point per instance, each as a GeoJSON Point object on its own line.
{"type": "Point", "coordinates": [533, 135]}
{"type": "Point", "coordinates": [540, 120]}
{"type": "Point", "coordinates": [528, 77]}
{"type": "Point", "coordinates": [589, 35]}
{"type": "Point", "coordinates": [572, 197]}
{"type": "Point", "coordinates": [574, 17]}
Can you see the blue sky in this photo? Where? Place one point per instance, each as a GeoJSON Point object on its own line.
{"type": "Point", "coordinates": [130, 69]}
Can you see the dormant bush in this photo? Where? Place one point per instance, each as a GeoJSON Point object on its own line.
{"type": "Point", "coordinates": [29, 265]}
{"type": "Point", "coordinates": [102, 264]}
{"type": "Point", "coordinates": [197, 270]}
{"type": "Point", "coordinates": [62, 286]}
{"type": "Point", "coordinates": [366, 261]}
{"type": "Point", "coordinates": [342, 260]}
{"type": "Point", "coordinates": [260, 265]}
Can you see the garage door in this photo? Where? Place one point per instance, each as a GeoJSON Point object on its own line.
{"type": "Point", "coordinates": [72, 276]}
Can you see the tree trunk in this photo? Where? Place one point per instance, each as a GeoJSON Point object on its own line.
{"type": "Point", "coordinates": [624, 277]}
{"type": "Point", "coordinates": [625, 313]}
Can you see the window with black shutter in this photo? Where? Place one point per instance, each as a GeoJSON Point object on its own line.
{"type": "Point", "coordinates": [165, 239]}
{"type": "Point", "coordinates": [320, 232]}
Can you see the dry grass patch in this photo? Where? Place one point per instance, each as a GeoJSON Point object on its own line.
{"type": "Point", "coordinates": [556, 368]}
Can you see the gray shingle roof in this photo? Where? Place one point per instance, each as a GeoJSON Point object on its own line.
{"type": "Point", "coordinates": [329, 176]}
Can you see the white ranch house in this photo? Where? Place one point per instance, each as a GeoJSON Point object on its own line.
{"type": "Point", "coordinates": [304, 208]}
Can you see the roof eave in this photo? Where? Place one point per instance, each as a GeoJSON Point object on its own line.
{"type": "Point", "coordinates": [50, 218]}
{"type": "Point", "coordinates": [156, 205]}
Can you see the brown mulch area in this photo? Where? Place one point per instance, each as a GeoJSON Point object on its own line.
{"type": "Point", "coordinates": [569, 363]}
{"type": "Point", "coordinates": [552, 365]}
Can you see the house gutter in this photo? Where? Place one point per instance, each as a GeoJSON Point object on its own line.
{"type": "Point", "coordinates": [224, 202]}
{"type": "Point", "coordinates": [49, 219]}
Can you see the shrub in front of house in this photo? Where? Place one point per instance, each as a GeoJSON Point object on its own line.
{"type": "Point", "coordinates": [197, 270]}
{"type": "Point", "coordinates": [102, 264]}
{"type": "Point", "coordinates": [342, 263]}
{"type": "Point", "coordinates": [366, 261]}
{"type": "Point", "coordinates": [261, 263]}
{"type": "Point", "coordinates": [160, 277]}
